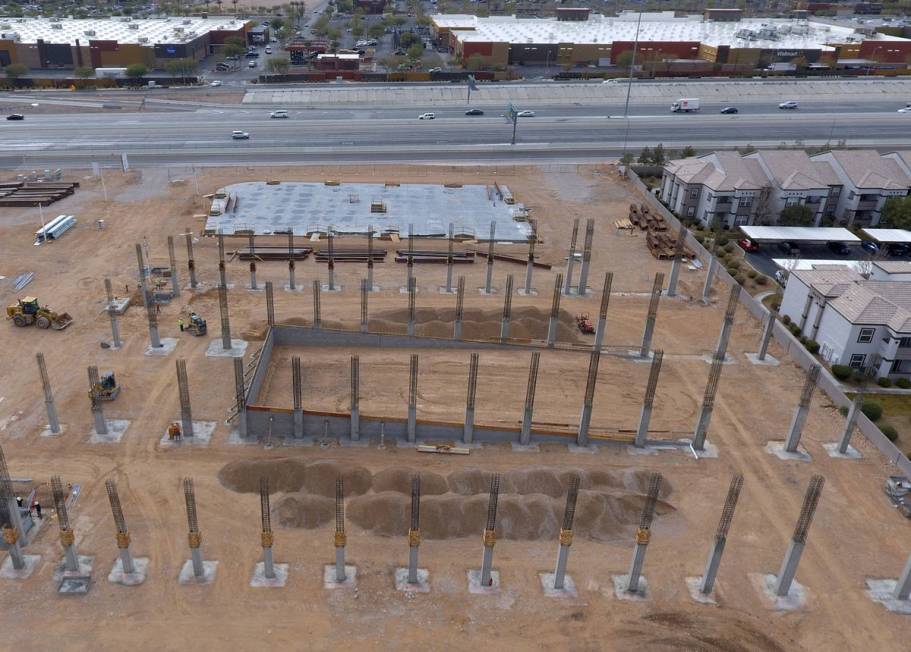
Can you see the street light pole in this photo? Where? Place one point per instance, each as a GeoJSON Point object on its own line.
{"type": "Point", "coordinates": [629, 82]}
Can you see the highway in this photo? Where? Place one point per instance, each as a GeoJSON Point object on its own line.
{"type": "Point", "coordinates": [199, 133]}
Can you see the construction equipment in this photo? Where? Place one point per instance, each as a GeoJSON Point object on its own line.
{"type": "Point", "coordinates": [174, 433]}
{"type": "Point", "coordinates": [106, 389]}
{"type": "Point", "coordinates": [28, 311]}
{"type": "Point", "coordinates": [898, 489]}
{"type": "Point", "coordinates": [197, 325]}
{"type": "Point", "coordinates": [584, 322]}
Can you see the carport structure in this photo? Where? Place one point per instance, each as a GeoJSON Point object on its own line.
{"type": "Point", "coordinates": [799, 234]}
{"type": "Point", "coordinates": [890, 236]}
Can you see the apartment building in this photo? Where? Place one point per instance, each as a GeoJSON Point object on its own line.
{"type": "Point", "coordinates": [868, 179]}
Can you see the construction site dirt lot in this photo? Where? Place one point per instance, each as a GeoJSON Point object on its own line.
{"type": "Point", "coordinates": [856, 534]}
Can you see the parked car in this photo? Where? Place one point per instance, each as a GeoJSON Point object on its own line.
{"type": "Point", "coordinates": [747, 245]}
{"type": "Point", "coordinates": [217, 82]}
{"type": "Point", "coordinates": [525, 114]}
{"type": "Point", "coordinates": [782, 277]}
{"type": "Point", "coordinates": [252, 64]}
{"type": "Point", "coordinates": [838, 248]}
{"type": "Point", "coordinates": [788, 248]}
{"type": "Point", "coordinates": [268, 50]}
{"type": "Point", "coordinates": [474, 112]}
{"type": "Point", "coordinates": [898, 249]}
{"type": "Point", "coordinates": [240, 135]}
{"type": "Point", "coordinates": [870, 247]}
{"type": "Point", "coordinates": [729, 110]}
{"type": "Point", "coordinates": [427, 116]}
{"type": "Point", "coordinates": [15, 116]}
{"type": "Point", "coordinates": [280, 113]}
{"type": "Point", "coordinates": [252, 55]}
{"type": "Point", "coordinates": [790, 104]}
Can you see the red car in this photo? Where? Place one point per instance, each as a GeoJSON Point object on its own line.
{"type": "Point", "coordinates": [747, 245]}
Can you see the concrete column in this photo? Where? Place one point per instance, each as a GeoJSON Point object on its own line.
{"type": "Point", "coordinates": [675, 267]}
{"type": "Point", "coordinates": [191, 262]}
{"type": "Point", "coordinates": [460, 299]}
{"type": "Point", "coordinates": [225, 317]}
{"type": "Point", "coordinates": [297, 396]}
{"type": "Point", "coordinates": [268, 564]}
{"type": "Point", "coordinates": [525, 434]}
{"type": "Point", "coordinates": [635, 569]}
{"type": "Point", "coordinates": [70, 560]}
{"type": "Point", "coordinates": [126, 560]}
{"type": "Point", "coordinates": [709, 277]}
{"type": "Point", "coordinates": [554, 312]}
{"type": "Point", "coordinates": [851, 419]}
{"type": "Point", "coordinates": [711, 566]}
{"type": "Point", "coordinates": [411, 306]}
{"type": "Point", "coordinates": [488, 283]}
{"type": "Point", "coordinates": [183, 388]}
{"type": "Point", "coordinates": [767, 335]}
{"type": "Point", "coordinates": [507, 310]}
{"type": "Point", "coordinates": [449, 263]}
{"type": "Point", "coordinates": [586, 417]}
{"type": "Point", "coordinates": [143, 284]}
{"type": "Point", "coordinates": [154, 338]}
{"type": "Point", "coordinates": [365, 292]}
{"type": "Point", "coordinates": [115, 327]}
{"type": "Point", "coordinates": [788, 568]}
{"type": "Point", "coordinates": [53, 421]}
{"type": "Point", "coordinates": [412, 398]}
{"type": "Point", "coordinates": [412, 564]}
{"type": "Point", "coordinates": [602, 312]}
{"type": "Point", "coordinates": [487, 558]}
{"type": "Point", "coordinates": [651, 316]}
{"type": "Point", "coordinates": [468, 432]}
{"type": "Point", "coordinates": [101, 426]}
{"type": "Point", "coordinates": [571, 258]}
{"type": "Point", "coordinates": [175, 281]}
{"type": "Point", "coordinates": [586, 257]}
{"type": "Point", "coordinates": [198, 567]}
{"type": "Point", "coordinates": [14, 548]}
{"type": "Point", "coordinates": [560, 569]}
{"type": "Point", "coordinates": [370, 286]}
{"type": "Point", "coordinates": [316, 306]}
{"type": "Point", "coordinates": [340, 575]}
{"type": "Point", "coordinates": [708, 404]}
{"type": "Point", "coordinates": [355, 398]}
{"type": "Point", "coordinates": [903, 585]}
{"type": "Point", "coordinates": [646, 414]}
{"type": "Point", "coordinates": [240, 397]}
{"type": "Point", "coordinates": [803, 409]}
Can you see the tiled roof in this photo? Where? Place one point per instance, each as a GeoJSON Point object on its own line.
{"type": "Point", "coordinates": [866, 168]}
{"type": "Point", "coordinates": [862, 301]}
{"type": "Point", "coordinates": [721, 172]}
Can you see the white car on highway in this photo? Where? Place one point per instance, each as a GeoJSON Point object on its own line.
{"type": "Point", "coordinates": [237, 134]}
{"type": "Point", "coordinates": [790, 104]}
{"type": "Point", "coordinates": [427, 116]}
{"type": "Point", "coordinates": [281, 113]}
{"type": "Point", "coordinates": [217, 82]}
{"type": "Point", "coordinates": [525, 114]}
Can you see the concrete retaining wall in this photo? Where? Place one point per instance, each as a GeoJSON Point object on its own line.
{"type": "Point", "coordinates": [262, 368]}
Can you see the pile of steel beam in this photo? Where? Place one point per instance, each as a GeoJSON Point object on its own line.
{"type": "Point", "coordinates": [350, 255]}
{"type": "Point", "coordinates": [428, 256]}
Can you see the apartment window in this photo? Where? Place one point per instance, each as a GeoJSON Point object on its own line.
{"type": "Point", "coordinates": [866, 335]}
{"type": "Point", "coordinates": [691, 211]}
{"type": "Point", "coordinates": [746, 202]}
{"type": "Point", "coordinates": [857, 361]}
{"type": "Point", "coordinates": [694, 193]}
{"type": "Point", "coordinates": [851, 195]}
{"type": "Point", "coordinates": [904, 342]}
{"type": "Point", "coordinates": [710, 197]}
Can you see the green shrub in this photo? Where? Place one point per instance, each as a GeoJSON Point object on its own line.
{"type": "Point", "coordinates": [752, 273]}
{"type": "Point", "coordinates": [794, 328]}
{"type": "Point", "coordinates": [721, 240]}
{"type": "Point", "coordinates": [890, 432]}
{"type": "Point", "coordinates": [841, 371]}
{"type": "Point", "coordinates": [734, 263]}
{"type": "Point", "coordinates": [729, 247]}
{"type": "Point", "coordinates": [802, 339]}
{"type": "Point", "coordinates": [872, 410]}
{"type": "Point", "coordinates": [843, 410]}
{"type": "Point", "coordinates": [762, 280]}
{"type": "Point", "coordinates": [858, 375]}
{"type": "Point", "coordinates": [884, 382]}
{"type": "Point", "coordinates": [904, 383]}
{"type": "Point", "coordinates": [786, 320]}
{"type": "Point", "coordinates": [740, 278]}
{"type": "Point", "coordinates": [812, 346]}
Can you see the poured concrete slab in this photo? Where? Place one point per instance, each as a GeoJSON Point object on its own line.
{"type": "Point", "coordinates": [765, 585]}
{"type": "Point", "coordinates": [46, 432]}
{"type": "Point", "coordinates": [401, 581]}
{"type": "Point", "coordinates": [168, 344]}
{"type": "Point", "coordinates": [31, 563]}
{"type": "Point", "coordinates": [336, 287]}
{"type": "Point", "coordinates": [216, 350]}
{"type": "Point", "coordinates": [851, 454]}
{"type": "Point", "coordinates": [85, 569]}
{"type": "Point", "coordinates": [568, 590]}
{"type": "Point", "coordinates": [75, 585]}
{"type": "Point", "coordinates": [622, 592]}
{"type": "Point", "coordinates": [710, 451]}
{"type": "Point", "coordinates": [770, 361]}
{"type": "Point", "coordinates": [259, 579]}
{"type": "Point", "coordinates": [474, 583]}
{"type": "Point", "coordinates": [693, 584]}
{"type": "Point", "coordinates": [209, 569]}
{"type": "Point", "coordinates": [116, 429]}
{"type": "Point", "coordinates": [329, 581]}
{"type": "Point", "coordinates": [137, 577]}
{"type": "Point", "coordinates": [776, 448]}
{"type": "Point", "coordinates": [202, 435]}
{"type": "Point", "coordinates": [531, 292]}
{"type": "Point", "coordinates": [881, 591]}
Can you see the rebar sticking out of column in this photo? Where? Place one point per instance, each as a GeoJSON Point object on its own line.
{"type": "Point", "coordinates": [566, 533]}
{"type": "Point", "coordinates": [270, 304]}
{"type": "Point", "coordinates": [191, 262]}
{"type": "Point", "coordinates": [412, 397]}
{"type": "Point", "coordinates": [355, 398]}
{"type": "Point", "coordinates": [586, 257]}
{"type": "Point", "coordinates": [240, 398]}
{"type": "Point", "coordinates": [225, 318]}
{"type": "Point", "coordinates": [725, 335]}
{"type": "Point", "coordinates": [643, 534]}
{"type": "Point", "coordinates": [409, 260]}
{"type": "Point", "coordinates": [856, 407]}
{"type": "Point", "coordinates": [507, 310]}
{"type": "Point", "coordinates": [316, 309]}
{"type": "Point", "coordinates": [67, 536]}
{"type": "Point", "coordinates": [370, 258]}
{"type": "Point", "coordinates": [602, 311]}
{"type": "Point", "coordinates": [414, 530]}
{"type": "Point", "coordinates": [291, 262]}
{"type": "Point", "coordinates": [340, 537]}
{"type": "Point", "coordinates": [52, 419]}
{"type": "Point", "coordinates": [795, 549]}
{"type": "Point", "coordinates": [675, 266]}
{"type": "Point", "coordinates": [183, 389]}
{"type": "Point", "coordinates": [594, 360]}
{"type": "Point", "coordinates": [709, 277]}
{"type": "Point", "coordinates": [571, 258]}
{"type": "Point", "coordinates": [123, 534]}
{"type": "Point", "coordinates": [101, 426]}
{"type": "Point", "coordinates": [767, 335]}
{"type": "Point", "coordinates": [252, 249]}
{"type": "Point", "coordinates": [551, 337]}
{"type": "Point", "coordinates": [331, 236]}
{"type": "Point", "coordinates": [490, 538]}
{"type": "Point", "coordinates": [468, 430]}
{"type": "Point", "coordinates": [707, 582]}
{"type": "Point", "coordinates": [194, 536]}
{"type": "Point", "coordinates": [112, 314]}
{"type": "Point", "coordinates": [297, 396]}
{"type": "Point", "coordinates": [411, 306]}
{"type": "Point", "coordinates": [459, 310]}
{"type": "Point", "coordinates": [449, 260]}
{"type": "Point", "coordinates": [488, 283]}
{"type": "Point", "coordinates": [266, 538]}
{"type": "Point", "coordinates": [651, 316]}
{"type": "Point", "coordinates": [803, 409]}
{"type": "Point", "coordinates": [708, 404]}
{"type": "Point", "coordinates": [175, 281]}
{"type": "Point", "coordinates": [222, 271]}
{"type": "Point", "coordinates": [646, 415]}
{"type": "Point", "coordinates": [525, 434]}
{"type": "Point", "coordinates": [530, 265]}
{"type": "Point", "coordinates": [365, 291]}
{"type": "Point", "coordinates": [10, 519]}
{"type": "Point", "coordinates": [143, 281]}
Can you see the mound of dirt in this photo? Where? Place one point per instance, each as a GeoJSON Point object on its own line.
{"type": "Point", "coordinates": [304, 511]}
{"type": "Point", "coordinates": [292, 474]}
{"type": "Point", "coordinates": [399, 479]}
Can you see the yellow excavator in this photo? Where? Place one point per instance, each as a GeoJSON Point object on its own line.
{"type": "Point", "coordinates": [28, 311]}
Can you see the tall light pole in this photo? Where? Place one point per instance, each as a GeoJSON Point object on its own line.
{"type": "Point", "coordinates": [629, 81]}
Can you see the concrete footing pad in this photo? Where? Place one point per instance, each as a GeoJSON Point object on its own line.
{"type": "Point", "coordinates": [237, 350]}
{"type": "Point", "coordinates": [404, 290]}
{"type": "Point", "coordinates": [297, 288]}
{"type": "Point", "coordinates": [443, 290]}
{"type": "Point", "coordinates": [168, 344]}
{"type": "Point", "coordinates": [591, 449]}
{"type": "Point", "coordinates": [474, 582]}
{"type": "Point", "coordinates": [137, 577]}
{"type": "Point", "coordinates": [260, 287]}
{"type": "Point", "coordinates": [61, 573]}
{"type": "Point", "coordinates": [881, 591]}
{"type": "Point", "coordinates": [235, 439]}
{"type": "Point", "coordinates": [486, 293]}
{"type": "Point", "coordinates": [693, 584]}
{"type": "Point", "coordinates": [568, 590]}
{"type": "Point", "coordinates": [776, 448]}
{"type": "Point", "coordinates": [770, 361]}
{"type": "Point", "coordinates": [259, 579]}
{"type": "Point", "coordinates": [347, 442]}
{"type": "Point", "coordinates": [209, 569]}
{"type": "Point", "coordinates": [31, 563]}
{"type": "Point", "coordinates": [765, 585]}
{"type": "Point", "coordinates": [202, 435]}
{"type": "Point", "coordinates": [401, 581]}
{"type": "Point", "coordinates": [329, 581]}
{"type": "Point", "coordinates": [525, 448]}
{"type": "Point", "coordinates": [622, 592]}
{"type": "Point", "coordinates": [522, 292]}
{"type": "Point", "coordinates": [851, 454]}
{"type": "Point", "coordinates": [46, 432]}
{"type": "Point", "coordinates": [325, 288]}
{"type": "Point", "coordinates": [116, 430]}
{"type": "Point", "coordinates": [709, 451]}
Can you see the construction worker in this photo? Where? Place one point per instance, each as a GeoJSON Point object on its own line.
{"type": "Point", "coordinates": [19, 501]}
{"type": "Point", "coordinates": [180, 324]}
{"type": "Point", "coordinates": [157, 308]}
{"type": "Point", "coordinates": [38, 509]}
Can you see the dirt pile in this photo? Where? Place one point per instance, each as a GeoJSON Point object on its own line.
{"type": "Point", "coordinates": [288, 475]}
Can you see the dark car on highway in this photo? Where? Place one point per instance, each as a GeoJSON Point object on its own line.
{"type": "Point", "coordinates": [729, 109]}
{"type": "Point", "coordinates": [474, 112]}
{"type": "Point", "coordinates": [15, 116]}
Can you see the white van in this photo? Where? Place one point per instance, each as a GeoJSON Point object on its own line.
{"type": "Point", "coordinates": [281, 113]}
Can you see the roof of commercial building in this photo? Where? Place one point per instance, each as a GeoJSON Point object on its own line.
{"type": "Point", "coordinates": [794, 170]}
{"type": "Point", "coordinates": [766, 34]}
{"type": "Point", "coordinates": [862, 301]}
{"type": "Point", "coordinates": [721, 171]}
{"type": "Point", "coordinates": [149, 31]}
{"type": "Point", "coordinates": [867, 168]}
